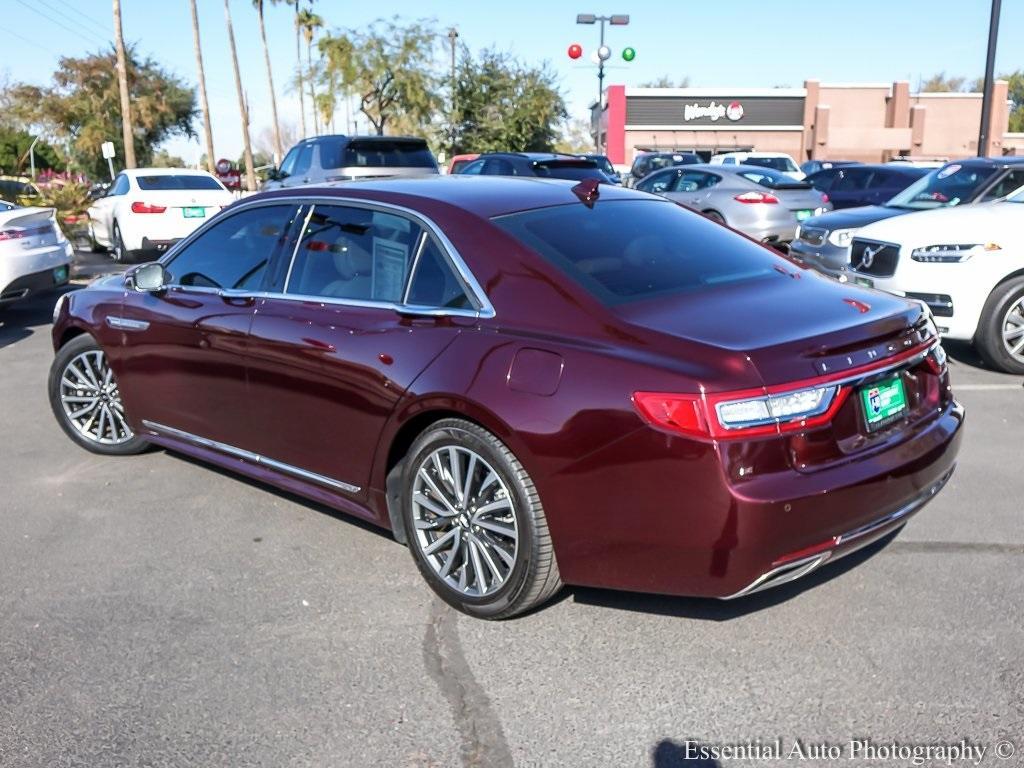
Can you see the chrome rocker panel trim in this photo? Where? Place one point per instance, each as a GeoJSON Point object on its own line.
{"type": "Point", "coordinates": [249, 456]}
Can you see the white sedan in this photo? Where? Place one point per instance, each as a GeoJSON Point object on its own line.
{"type": "Point", "coordinates": [34, 254]}
{"type": "Point", "coordinates": [147, 210]}
{"type": "Point", "coordinates": [965, 263]}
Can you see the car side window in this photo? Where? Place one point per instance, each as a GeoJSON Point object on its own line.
{"type": "Point", "coordinates": [288, 164]}
{"type": "Point", "coordinates": [434, 283]}
{"type": "Point", "coordinates": [822, 180]}
{"type": "Point", "coordinates": [851, 180]}
{"type": "Point", "coordinates": [692, 181]}
{"type": "Point", "coordinates": [353, 253]}
{"type": "Point", "coordinates": [304, 160]}
{"type": "Point", "coordinates": [498, 166]}
{"type": "Point", "coordinates": [472, 169]}
{"type": "Point", "coordinates": [657, 182]}
{"type": "Point", "coordinates": [120, 185]}
{"type": "Point", "coordinates": [234, 252]}
{"type": "Point", "coordinates": [729, 161]}
{"type": "Point", "coordinates": [1011, 182]}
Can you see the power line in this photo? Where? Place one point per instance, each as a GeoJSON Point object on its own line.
{"type": "Point", "coordinates": [61, 24]}
{"type": "Point", "coordinates": [33, 43]}
{"type": "Point", "coordinates": [96, 25]}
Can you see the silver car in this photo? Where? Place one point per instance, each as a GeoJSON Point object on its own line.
{"type": "Point", "coordinates": [346, 158]}
{"type": "Point", "coordinates": [759, 202]}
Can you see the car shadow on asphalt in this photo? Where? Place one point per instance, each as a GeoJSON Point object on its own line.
{"type": "Point", "coordinates": [709, 609]}
{"type": "Point", "coordinates": [669, 753]}
{"type": "Point", "coordinates": [19, 320]}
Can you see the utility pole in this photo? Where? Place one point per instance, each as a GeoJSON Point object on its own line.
{"type": "Point", "coordinates": [211, 160]}
{"type": "Point", "coordinates": [243, 107]}
{"type": "Point", "coordinates": [990, 65]}
{"type": "Point", "coordinates": [603, 54]}
{"type": "Point", "coordinates": [122, 82]}
{"type": "Point", "coordinates": [453, 35]}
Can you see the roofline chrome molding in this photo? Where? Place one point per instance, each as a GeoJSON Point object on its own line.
{"type": "Point", "coordinates": [476, 292]}
{"type": "Point", "coordinates": [254, 458]}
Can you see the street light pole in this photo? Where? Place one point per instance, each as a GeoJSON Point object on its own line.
{"type": "Point", "coordinates": [453, 35]}
{"type": "Point", "coordinates": [990, 64]}
{"type": "Point", "coordinates": [603, 54]}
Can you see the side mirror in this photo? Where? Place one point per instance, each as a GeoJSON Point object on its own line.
{"type": "Point", "coordinates": [147, 278]}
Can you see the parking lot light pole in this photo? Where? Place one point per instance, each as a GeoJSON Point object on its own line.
{"type": "Point", "coordinates": [990, 64]}
{"type": "Point", "coordinates": [603, 54]}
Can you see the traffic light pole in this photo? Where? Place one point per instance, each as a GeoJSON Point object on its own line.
{"type": "Point", "coordinates": [986, 96]}
{"type": "Point", "coordinates": [600, 89]}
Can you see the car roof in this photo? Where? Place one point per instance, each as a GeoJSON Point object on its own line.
{"type": "Point", "coordinates": [359, 137]}
{"type": "Point", "coordinates": [165, 172]}
{"type": "Point", "coordinates": [535, 156]}
{"type": "Point", "coordinates": [484, 196]}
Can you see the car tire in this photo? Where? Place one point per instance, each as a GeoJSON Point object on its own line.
{"type": "Point", "coordinates": [1004, 304]}
{"type": "Point", "coordinates": [80, 378]}
{"type": "Point", "coordinates": [715, 216]}
{"type": "Point", "coordinates": [463, 485]}
{"type": "Point", "coordinates": [118, 252]}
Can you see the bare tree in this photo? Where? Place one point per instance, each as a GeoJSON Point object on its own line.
{"type": "Point", "coordinates": [127, 133]}
{"type": "Point", "coordinates": [207, 128]}
{"type": "Point", "coordinates": [250, 172]}
{"type": "Point", "coordinates": [278, 149]}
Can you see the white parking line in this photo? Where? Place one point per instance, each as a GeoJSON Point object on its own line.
{"type": "Point", "coordinates": [983, 387]}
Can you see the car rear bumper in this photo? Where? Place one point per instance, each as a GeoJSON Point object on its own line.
{"type": "Point", "coordinates": [40, 270]}
{"type": "Point", "coordinates": [691, 519]}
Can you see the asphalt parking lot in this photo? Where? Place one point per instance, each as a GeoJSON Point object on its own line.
{"type": "Point", "coordinates": [157, 612]}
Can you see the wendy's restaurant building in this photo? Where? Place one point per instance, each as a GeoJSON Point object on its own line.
{"type": "Point", "coordinates": [870, 122]}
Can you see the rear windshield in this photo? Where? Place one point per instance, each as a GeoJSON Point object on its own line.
{"type": "Point", "coordinates": [628, 250]}
{"type": "Point", "coordinates": [667, 161]}
{"type": "Point", "coordinates": [774, 180]}
{"type": "Point", "coordinates": [947, 186]}
{"type": "Point", "coordinates": [337, 153]}
{"type": "Point", "coordinates": [178, 182]}
{"type": "Point", "coordinates": [775, 163]}
{"type": "Point", "coordinates": [569, 169]}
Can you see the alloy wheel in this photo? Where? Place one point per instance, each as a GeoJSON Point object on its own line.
{"type": "Point", "coordinates": [1012, 329]}
{"type": "Point", "coordinates": [118, 249]}
{"type": "Point", "coordinates": [465, 521]}
{"type": "Point", "coordinates": [91, 400]}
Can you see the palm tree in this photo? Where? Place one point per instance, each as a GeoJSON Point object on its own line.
{"type": "Point", "coordinates": [309, 22]}
{"type": "Point", "coordinates": [250, 172]}
{"type": "Point", "coordinates": [298, 58]}
{"type": "Point", "coordinates": [278, 149]}
{"type": "Point", "coordinates": [127, 132]}
{"type": "Point", "coordinates": [207, 128]}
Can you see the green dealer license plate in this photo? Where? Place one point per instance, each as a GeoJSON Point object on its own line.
{"type": "Point", "coordinates": [194, 213]}
{"type": "Point", "coordinates": [804, 214]}
{"type": "Point", "coordinates": [884, 402]}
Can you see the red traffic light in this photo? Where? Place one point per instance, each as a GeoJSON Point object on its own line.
{"type": "Point", "coordinates": [575, 51]}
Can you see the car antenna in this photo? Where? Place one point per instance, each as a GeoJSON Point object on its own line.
{"type": "Point", "coordinates": [587, 191]}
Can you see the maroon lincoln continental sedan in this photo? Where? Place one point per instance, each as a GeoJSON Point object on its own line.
{"type": "Point", "coordinates": [530, 383]}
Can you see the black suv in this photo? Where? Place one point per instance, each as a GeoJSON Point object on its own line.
{"type": "Point", "coordinates": [543, 164]}
{"type": "Point", "coordinates": [344, 158]}
{"type": "Point", "coordinates": [649, 162]}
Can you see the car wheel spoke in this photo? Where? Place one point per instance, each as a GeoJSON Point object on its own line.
{"type": "Point", "coordinates": [464, 521]}
{"type": "Point", "coordinates": [91, 400]}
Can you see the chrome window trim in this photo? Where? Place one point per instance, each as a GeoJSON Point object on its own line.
{"type": "Point", "coordinates": [475, 291]}
{"type": "Point", "coordinates": [255, 458]}
{"type": "Point", "coordinates": [415, 263]}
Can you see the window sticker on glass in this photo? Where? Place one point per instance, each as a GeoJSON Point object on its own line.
{"type": "Point", "coordinates": [949, 170]}
{"type": "Point", "coordinates": [389, 262]}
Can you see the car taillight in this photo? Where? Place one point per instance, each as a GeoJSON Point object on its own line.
{"type": "Point", "coordinates": [17, 234]}
{"type": "Point", "coordinates": [138, 207]}
{"type": "Point", "coordinates": [756, 197]}
{"type": "Point", "coordinates": [824, 197]}
{"type": "Point", "coordinates": [773, 410]}
{"type": "Point", "coordinates": [731, 415]}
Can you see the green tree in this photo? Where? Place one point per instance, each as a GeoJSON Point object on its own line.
{"type": "Point", "coordinates": [941, 84]}
{"type": "Point", "coordinates": [575, 138]}
{"type": "Point", "coordinates": [164, 159]}
{"type": "Point", "coordinates": [667, 82]}
{"type": "Point", "coordinates": [82, 107]}
{"type": "Point", "coordinates": [14, 154]}
{"type": "Point", "coordinates": [1016, 94]}
{"type": "Point", "coordinates": [503, 104]}
{"type": "Point", "coordinates": [390, 69]}
{"type": "Point", "coordinates": [310, 23]}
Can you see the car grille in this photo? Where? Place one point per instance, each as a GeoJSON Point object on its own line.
{"type": "Point", "coordinates": [871, 258]}
{"type": "Point", "coordinates": [813, 236]}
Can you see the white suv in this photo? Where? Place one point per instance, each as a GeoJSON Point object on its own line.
{"type": "Point", "coordinates": [777, 161]}
{"type": "Point", "coordinates": [965, 263]}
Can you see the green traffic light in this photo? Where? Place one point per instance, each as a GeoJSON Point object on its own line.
{"type": "Point", "coordinates": [629, 54]}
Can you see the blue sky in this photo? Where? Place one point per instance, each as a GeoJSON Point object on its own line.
{"type": "Point", "coordinates": [733, 43]}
